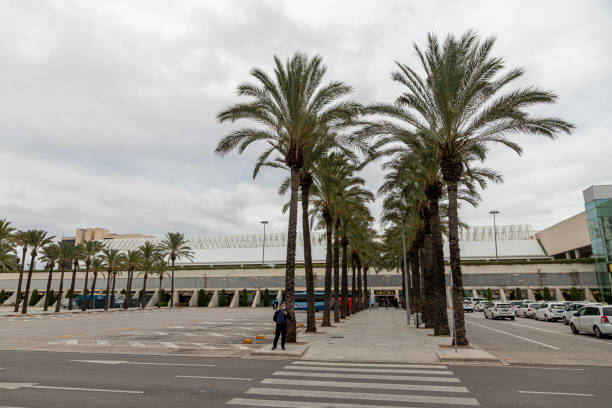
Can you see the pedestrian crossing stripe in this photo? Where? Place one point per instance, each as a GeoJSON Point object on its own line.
{"type": "Point", "coordinates": [302, 404]}
{"type": "Point", "coordinates": [368, 376]}
{"type": "Point", "coordinates": [370, 370]}
{"type": "Point", "coordinates": [375, 365]}
{"type": "Point", "coordinates": [380, 386]}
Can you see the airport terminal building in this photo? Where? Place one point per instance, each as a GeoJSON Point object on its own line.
{"type": "Point", "coordinates": [571, 254]}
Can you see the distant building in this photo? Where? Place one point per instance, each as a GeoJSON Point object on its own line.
{"type": "Point", "coordinates": [99, 234]}
{"type": "Point", "coordinates": [598, 204]}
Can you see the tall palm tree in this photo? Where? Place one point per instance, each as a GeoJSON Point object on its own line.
{"type": "Point", "coordinates": [66, 254]}
{"type": "Point", "coordinates": [149, 254]}
{"type": "Point", "coordinates": [112, 260]}
{"type": "Point", "coordinates": [290, 111]}
{"type": "Point", "coordinates": [78, 254]}
{"type": "Point", "coordinates": [175, 246]}
{"type": "Point", "coordinates": [6, 231]}
{"type": "Point", "coordinates": [133, 260]}
{"type": "Point", "coordinates": [36, 240]}
{"type": "Point", "coordinates": [90, 250]}
{"type": "Point", "coordinates": [97, 264]}
{"type": "Point", "coordinates": [50, 255]}
{"type": "Point", "coordinates": [460, 106]}
{"type": "Point", "coordinates": [20, 238]}
{"type": "Point", "coordinates": [160, 267]}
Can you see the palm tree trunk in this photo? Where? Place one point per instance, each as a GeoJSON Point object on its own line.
{"type": "Point", "coordinates": [72, 283]}
{"type": "Point", "coordinates": [172, 286]}
{"type": "Point", "coordinates": [429, 316]}
{"type": "Point", "coordinates": [416, 280]}
{"type": "Point", "coordinates": [354, 296]}
{"type": "Point", "coordinates": [18, 298]}
{"type": "Point", "coordinates": [112, 298]}
{"type": "Point", "coordinates": [107, 297]}
{"type": "Point", "coordinates": [49, 279]}
{"type": "Point", "coordinates": [159, 293]}
{"type": "Point", "coordinates": [345, 310]}
{"type": "Point", "coordinates": [128, 292]}
{"type": "Point", "coordinates": [439, 279]}
{"type": "Point", "coordinates": [58, 301]}
{"type": "Point", "coordinates": [26, 296]}
{"type": "Point", "coordinates": [84, 305]}
{"type": "Point", "coordinates": [359, 286]}
{"type": "Point", "coordinates": [455, 263]}
{"type": "Point", "coordinates": [328, 269]}
{"type": "Point", "coordinates": [144, 292]}
{"type": "Point", "coordinates": [366, 294]}
{"type": "Point", "coordinates": [290, 261]}
{"type": "Point", "coordinates": [311, 326]}
{"type": "Point", "coordinates": [336, 256]}
{"type": "Point", "coordinates": [403, 298]}
{"type": "Point", "coordinates": [93, 290]}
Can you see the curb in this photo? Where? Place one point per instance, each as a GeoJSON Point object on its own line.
{"type": "Point", "coordinates": [474, 356]}
{"type": "Point", "coordinates": [280, 354]}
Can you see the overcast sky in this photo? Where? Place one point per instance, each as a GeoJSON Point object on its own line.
{"type": "Point", "coordinates": [107, 108]}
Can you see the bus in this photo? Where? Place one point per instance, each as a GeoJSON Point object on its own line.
{"type": "Point", "coordinates": [302, 304]}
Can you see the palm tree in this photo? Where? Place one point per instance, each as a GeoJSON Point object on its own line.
{"type": "Point", "coordinates": [133, 260]}
{"type": "Point", "coordinates": [50, 254]}
{"type": "Point", "coordinates": [20, 238]}
{"type": "Point", "coordinates": [174, 246]}
{"type": "Point", "coordinates": [290, 111]}
{"type": "Point", "coordinates": [149, 253]}
{"type": "Point", "coordinates": [112, 260]}
{"type": "Point", "coordinates": [36, 240]}
{"type": "Point", "coordinates": [66, 254]}
{"type": "Point", "coordinates": [6, 231]}
{"type": "Point", "coordinates": [78, 254]}
{"type": "Point", "coordinates": [96, 265]}
{"type": "Point", "coordinates": [160, 266]}
{"type": "Point", "coordinates": [90, 250]}
{"type": "Point", "coordinates": [460, 107]}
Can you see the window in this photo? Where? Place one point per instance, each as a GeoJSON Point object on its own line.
{"type": "Point", "coordinates": [591, 311]}
{"type": "Point", "coordinates": [582, 311]}
{"type": "Point", "coordinates": [607, 311]}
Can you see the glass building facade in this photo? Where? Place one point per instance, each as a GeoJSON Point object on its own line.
{"type": "Point", "coordinates": [598, 204]}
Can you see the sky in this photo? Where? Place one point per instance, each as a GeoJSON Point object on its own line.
{"type": "Point", "coordinates": [107, 109]}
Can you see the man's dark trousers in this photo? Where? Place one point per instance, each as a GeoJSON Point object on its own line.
{"type": "Point", "coordinates": [281, 330]}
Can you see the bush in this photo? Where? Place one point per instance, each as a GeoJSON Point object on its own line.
{"type": "Point", "coordinates": [574, 296]}
{"type": "Point", "coordinates": [538, 296]}
{"type": "Point", "coordinates": [223, 298]}
{"type": "Point", "coordinates": [51, 297]}
{"type": "Point", "coordinates": [163, 298]}
{"type": "Point", "coordinates": [244, 298]}
{"type": "Point", "coordinates": [202, 298]}
{"type": "Point", "coordinates": [266, 299]}
{"type": "Point", "coordinates": [546, 296]}
{"type": "Point", "coordinates": [34, 298]}
{"type": "Point", "coordinates": [68, 294]}
{"type": "Point", "coordinates": [123, 292]}
{"type": "Point", "coordinates": [519, 294]}
{"type": "Point", "coordinates": [2, 296]}
{"type": "Point", "coordinates": [489, 295]}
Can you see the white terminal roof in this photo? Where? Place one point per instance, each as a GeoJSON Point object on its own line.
{"type": "Point", "coordinates": [513, 242]}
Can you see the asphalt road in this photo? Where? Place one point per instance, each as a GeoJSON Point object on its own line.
{"type": "Point", "coordinates": [537, 342]}
{"type": "Point", "coordinates": [55, 379]}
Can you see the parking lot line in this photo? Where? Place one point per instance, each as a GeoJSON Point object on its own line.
{"type": "Point", "coordinates": [564, 334]}
{"type": "Point", "coordinates": [514, 335]}
{"type": "Point", "coordinates": [214, 378]}
{"type": "Point", "coordinates": [557, 393]}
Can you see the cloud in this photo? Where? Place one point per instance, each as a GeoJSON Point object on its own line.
{"type": "Point", "coordinates": [108, 108]}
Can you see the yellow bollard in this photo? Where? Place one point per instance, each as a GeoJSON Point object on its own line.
{"type": "Point", "coordinates": [247, 341]}
{"type": "Point", "coordinates": [260, 337]}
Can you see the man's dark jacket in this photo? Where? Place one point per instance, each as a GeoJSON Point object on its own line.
{"type": "Point", "coordinates": [280, 318]}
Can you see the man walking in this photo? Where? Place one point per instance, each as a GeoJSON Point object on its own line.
{"type": "Point", "coordinates": [280, 317]}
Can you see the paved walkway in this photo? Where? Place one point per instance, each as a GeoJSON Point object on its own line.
{"type": "Point", "coordinates": [374, 335]}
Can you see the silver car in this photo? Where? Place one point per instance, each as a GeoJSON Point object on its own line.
{"type": "Point", "coordinates": [570, 310]}
{"type": "Point", "coordinates": [596, 319]}
{"type": "Point", "coordinates": [499, 310]}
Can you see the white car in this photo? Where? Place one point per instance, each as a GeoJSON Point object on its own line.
{"type": "Point", "coordinates": [468, 306]}
{"type": "Point", "coordinates": [570, 310]}
{"type": "Point", "coordinates": [481, 306]}
{"type": "Point", "coordinates": [550, 311]}
{"type": "Point", "coordinates": [516, 304]}
{"type": "Point", "coordinates": [592, 319]}
{"type": "Point", "coordinates": [527, 310]}
{"type": "Point", "coordinates": [499, 310]}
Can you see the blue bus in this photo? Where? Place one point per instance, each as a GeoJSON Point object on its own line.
{"type": "Point", "coordinates": [302, 304]}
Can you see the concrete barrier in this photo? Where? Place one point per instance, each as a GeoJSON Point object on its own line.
{"type": "Point", "coordinates": [11, 300]}
{"type": "Point", "coordinates": [257, 298]}
{"type": "Point", "coordinates": [193, 302]}
{"type": "Point", "coordinates": [41, 302]}
{"type": "Point", "coordinates": [235, 299]}
{"type": "Point", "coordinates": [214, 300]}
{"type": "Point", "coordinates": [154, 299]}
{"type": "Point", "coordinates": [559, 295]}
{"type": "Point", "coordinates": [589, 295]}
{"type": "Point", "coordinates": [530, 295]}
{"type": "Point", "coordinates": [502, 295]}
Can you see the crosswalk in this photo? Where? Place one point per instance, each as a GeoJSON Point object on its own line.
{"type": "Point", "coordinates": [322, 384]}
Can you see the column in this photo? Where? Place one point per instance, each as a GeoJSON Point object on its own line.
{"type": "Point", "coordinates": [502, 295]}
{"type": "Point", "coordinates": [559, 295]}
{"type": "Point", "coordinates": [154, 299]}
{"type": "Point", "coordinates": [530, 295]}
{"type": "Point", "coordinates": [235, 299]}
{"type": "Point", "coordinates": [193, 302]}
{"type": "Point", "coordinates": [256, 298]}
{"type": "Point", "coordinates": [214, 300]}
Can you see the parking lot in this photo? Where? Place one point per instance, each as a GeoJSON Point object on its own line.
{"type": "Point", "coordinates": [195, 331]}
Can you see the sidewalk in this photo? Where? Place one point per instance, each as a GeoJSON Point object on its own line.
{"type": "Point", "coordinates": [381, 335]}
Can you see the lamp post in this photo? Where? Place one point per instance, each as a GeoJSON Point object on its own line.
{"type": "Point", "coordinates": [263, 248]}
{"type": "Point", "coordinates": [494, 212]}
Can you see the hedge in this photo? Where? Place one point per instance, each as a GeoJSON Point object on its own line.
{"type": "Point", "coordinates": [34, 298]}
{"type": "Point", "coordinates": [266, 299]}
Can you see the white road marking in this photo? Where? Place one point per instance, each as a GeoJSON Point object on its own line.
{"type": "Point", "coordinates": [14, 386]}
{"type": "Point", "coordinates": [301, 404]}
{"type": "Point", "coordinates": [514, 335]}
{"type": "Point", "coordinates": [368, 376]}
{"type": "Point", "coordinates": [216, 334]}
{"type": "Point", "coordinates": [380, 386]}
{"type": "Point", "coordinates": [102, 343]}
{"type": "Point", "coordinates": [433, 399]}
{"type": "Point", "coordinates": [369, 370]}
{"type": "Point", "coordinates": [136, 344]}
{"type": "Point", "coordinates": [545, 368]}
{"type": "Point", "coordinates": [215, 378]}
{"type": "Point", "coordinates": [564, 334]}
{"type": "Point", "coordinates": [557, 393]}
{"type": "Point", "coordinates": [169, 345]}
{"type": "Point", "coordinates": [326, 363]}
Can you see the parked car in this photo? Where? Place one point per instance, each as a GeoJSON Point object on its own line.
{"type": "Point", "coordinates": [528, 310]}
{"type": "Point", "coordinates": [516, 304]}
{"type": "Point", "coordinates": [592, 319]}
{"type": "Point", "coordinates": [570, 310]}
{"type": "Point", "coordinates": [550, 311]}
{"type": "Point", "coordinates": [481, 306]}
{"type": "Point", "coordinates": [499, 310]}
{"type": "Point", "coordinates": [468, 306]}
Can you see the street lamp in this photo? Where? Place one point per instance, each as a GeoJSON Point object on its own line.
{"type": "Point", "coordinates": [263, 248]}
{"type": "Point", "coordinates": [494, 212]}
